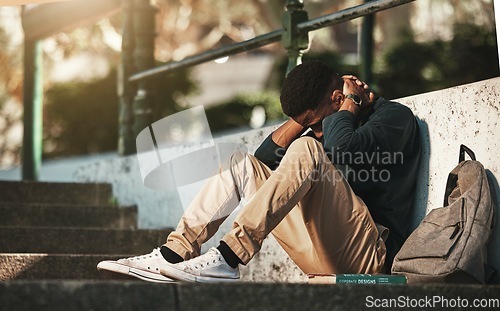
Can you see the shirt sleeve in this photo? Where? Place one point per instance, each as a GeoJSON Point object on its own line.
{"type": "Point", "coordinates": [388, 129]}
{"type": "Point", "coordinates": [270, 153]}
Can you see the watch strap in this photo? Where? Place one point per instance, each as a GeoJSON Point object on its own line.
{"type": "Point", "coordinates": [355, 98]}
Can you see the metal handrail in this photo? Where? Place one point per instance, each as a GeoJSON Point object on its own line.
{"type": "Point", "coordinates": [271, 37]}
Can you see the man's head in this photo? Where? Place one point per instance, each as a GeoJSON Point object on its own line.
{"type": "Point", "coordinates": [310, 87]}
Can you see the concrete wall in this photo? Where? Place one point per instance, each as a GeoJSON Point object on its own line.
{"type": "Point", "coordinates": [466, 114]}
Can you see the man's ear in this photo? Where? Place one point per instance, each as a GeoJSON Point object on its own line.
{"type": "Point", "coordinates": [337, 97]}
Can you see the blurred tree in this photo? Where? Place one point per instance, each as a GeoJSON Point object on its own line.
{"type": "Point", "coordinates": [191, 26]}
{"type": "Point", "coordinates": [10, 86]}
{"type": "Point", "coordinates": [405, 67]}
{"type": "Point", "coordinates": [187, 27]}
{"type": "Point", "coordinates": [411, 68]}
{"type": "Point", "coordinates": [82, 117]}
{"type": "Point", "coordinates": [471, 55]}
{"type": "Point", "coordinates": [237, 111]}
{"type": "Point", "coordinates": [170, 91]}
{"type": "Point", "coordinates": [331, 58]}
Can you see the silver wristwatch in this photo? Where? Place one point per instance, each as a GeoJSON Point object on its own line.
{"type": "Point", "coordinates": [355, 98]}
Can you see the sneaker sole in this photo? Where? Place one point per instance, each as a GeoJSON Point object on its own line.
{"type": "Point", "coordinates": [183, 276]}
{"type": "Point", "coordinates": [113, 266]}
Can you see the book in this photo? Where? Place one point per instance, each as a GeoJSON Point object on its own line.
{"type": "Point", "coordinates": [318, 278]}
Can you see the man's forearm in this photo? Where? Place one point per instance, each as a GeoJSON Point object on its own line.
{"type": "Point", "coordinates": [349, 106]}
{"type": "Point", "coordinates": [287, 133]}
{"type": "Point", "coordinates": [272, 149]}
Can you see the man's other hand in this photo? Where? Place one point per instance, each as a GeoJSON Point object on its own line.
{"type": "Point", "coordinates": [352, 85]}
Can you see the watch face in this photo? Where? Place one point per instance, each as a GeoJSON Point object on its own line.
{"type": "Point", "coordinates": [355, 98]}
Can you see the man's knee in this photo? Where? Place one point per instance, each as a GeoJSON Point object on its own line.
{"type": "Point", "coordinates": [234, 160]}
{"type": "Point", "coordinates": [308, 152]}
{"type": "Point", "coordinates": [306, 145]}
{"type": "Point", "coordinates": [237, 157]}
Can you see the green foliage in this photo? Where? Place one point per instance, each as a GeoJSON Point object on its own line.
{"type": "Point", "coordinates": [168, 89]}
{"type": "Point", "coordinates": [237, 111]}
{"type": "Point", "coordinates": [331, 58]}
{"type": "Point", "coordinates": [82, 117]}
{"type": "Point", "coordinates": [472, 55]}
{"type": "Point", "coordinates": [411, 68]}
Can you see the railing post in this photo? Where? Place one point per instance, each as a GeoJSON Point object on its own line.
{"type": "Point", "coordinates": [33, 103]}
{"type": "Point", "coordinates": [496, 8]}
{"type": "Point", "coordinates": [126, 90]}
{"type": "Point", "coordinates": [294, 41]}
{"type": "Point", "coordinates": [366, 51]}
{"type": "Point", "coordinates": [144, 36]}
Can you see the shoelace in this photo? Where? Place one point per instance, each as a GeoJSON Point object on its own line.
{"type": "Point", "coordinates": [201, 262]}
{"type": "Point", "coordinates": [143, 257]}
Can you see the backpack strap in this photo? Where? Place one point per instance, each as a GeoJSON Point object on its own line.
{"type": "Point", "coordinates": [450, 185]}
{"type": "Point", "coordinates": [463, 150]}
{"type": "Point", "coordinates": [452, 177]}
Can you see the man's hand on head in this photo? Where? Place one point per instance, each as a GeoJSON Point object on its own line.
{"type": "Point", "coordinates": [362, 89]}
{"type": "Point", "coordinates": [352, 104]}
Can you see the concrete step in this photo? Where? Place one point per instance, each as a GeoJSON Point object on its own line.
{"type": "Point", "coordinates": [137, 295]}
{"type": "Point", "coordinates": [60, 215]}
{"type": "Point", "coordinates": [55, 193]}
{"type": "Point", "coordinates": [56, 266]}
{"type": "Point", "coordinates": [80, 240]}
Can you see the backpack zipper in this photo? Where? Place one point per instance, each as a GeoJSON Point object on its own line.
{"type": "Point", "coordinates": [458, 225]}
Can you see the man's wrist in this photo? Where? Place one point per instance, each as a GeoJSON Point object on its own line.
{"type": "Point", "coordinates": [355, 98]}
{"type": "Point", "coordinates": [350, 106]}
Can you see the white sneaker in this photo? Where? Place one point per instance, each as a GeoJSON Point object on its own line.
{"type": "Point", "coordinates": [146, 267]}
{"type": "Point", "coordinates": [207, 268]}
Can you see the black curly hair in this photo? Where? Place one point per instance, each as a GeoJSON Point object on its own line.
{"type": "Point", "coordinates": [306, 86]}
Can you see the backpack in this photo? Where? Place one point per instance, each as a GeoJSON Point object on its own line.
{"type": "Point", "coordinates": [450, 243]}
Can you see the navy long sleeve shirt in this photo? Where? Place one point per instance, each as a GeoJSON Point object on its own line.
{"type": "Point", "coordinates": [379, 156]}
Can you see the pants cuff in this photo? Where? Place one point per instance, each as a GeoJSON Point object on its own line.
{"type": "Point", "coordinates": [239, 251]}
{"type": "Point", "coordinates": [179, 250]}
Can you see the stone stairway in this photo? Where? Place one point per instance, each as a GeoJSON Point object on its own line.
{"type": "Point", "coordinates": [62, 230]}
{"type": "Point", "coordinates": [53, 235]}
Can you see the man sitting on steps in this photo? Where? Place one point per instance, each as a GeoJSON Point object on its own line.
{"type": "Point", "coordinates": [334, 185]}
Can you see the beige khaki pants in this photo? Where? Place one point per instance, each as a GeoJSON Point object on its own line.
{"type": "Point", "coordinates": [306, 204]}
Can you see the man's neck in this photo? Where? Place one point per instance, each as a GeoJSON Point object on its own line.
{"type": "Point", "coordinates": [317, 129]}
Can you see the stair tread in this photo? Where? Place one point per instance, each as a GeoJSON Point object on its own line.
{"type": "Point", "coordinates": [79, 240]}
{"type": "Point", "coordinates": [62, 205]}
{"type": "Point", "coordinates": [55, 192]}
{"type": "Point", "coordinates": [44, 215]}
{"type": "Point", "coordinates": [137, 295]}
{"type": "Point", "coordinates": [31, 266]}
{"type": "Point", "coordinates": [71, 295]}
